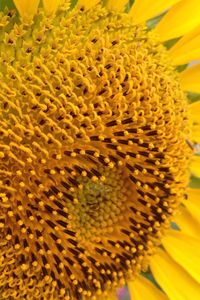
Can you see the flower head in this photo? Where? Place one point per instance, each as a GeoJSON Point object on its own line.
{"type": "Point", "coordinates": [93, 147]}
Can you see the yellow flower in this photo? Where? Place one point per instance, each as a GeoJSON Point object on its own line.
{"type": "Point", "coordinates": [96, 140]}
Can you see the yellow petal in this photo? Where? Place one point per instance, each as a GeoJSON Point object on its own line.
{"type": "Point", "coordinates": [27, 9]}
{"type": "Point", "coordinates": [195, 166]}
{"type": "Point", "coordinates": [196, 133]}
{"type": "Point", "coordinates": [185, 250]}
{"type": "Point", "coordinates": [87, 4]}
{"type": "Point", "coordinates": [146, 9]}
{"type": "Point", "coordinates": [193, 204]}
{"type": "Point", "coordinates": [51, 6]}
{"type": "Point", "coordinates": [190, 79]}
{"type": "Point", "coordinates": [173, 279]}
{"type": "Point", "coordinates": [180, 19]}
{"type": "Point", "coordinates": [187, 37]}
{"type": "Point", "coordinates": [187, 223]}
{"type": "Point", "coordinates": [187, 48]}
{"type": "Point", "coordinates": [141, 289]}
{"type": "Point", "coordinates": [194, 109]}
{"type": "Point", "coordinates": [116, 5]}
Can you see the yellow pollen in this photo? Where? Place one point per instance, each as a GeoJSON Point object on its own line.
{"type": "Point", "coordinates": [93, 152]}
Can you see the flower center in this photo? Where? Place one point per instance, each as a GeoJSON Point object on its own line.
{"type": "Point", "coordinates": [93, 153]}
{"type": "Point", "coordinates": [100, 204]}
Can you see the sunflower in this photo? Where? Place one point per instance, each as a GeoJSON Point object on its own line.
{"type": "Point", "coordinates": [98, 140]}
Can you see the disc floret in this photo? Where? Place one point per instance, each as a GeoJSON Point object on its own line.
{"type": "Point", "coordinates": [93, 152]}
